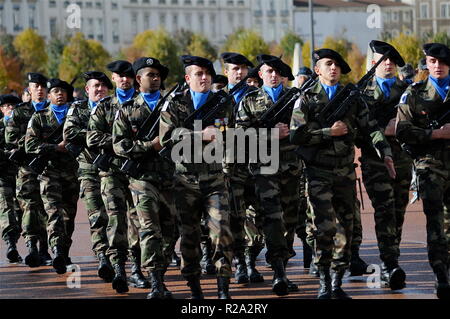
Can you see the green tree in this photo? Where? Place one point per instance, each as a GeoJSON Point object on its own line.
{"type": "Point", "coordinates": [287, 45]}
{"type": "Point", "coordinates": [246, 42]}
{"type": "Point", "coordinates": [6, 41]}
{"type": "Point", "coordinates": [306, 54]}
{"type": "Point", "coordinates": [55, 49]}
{"type": "Point", "coordinates": [409, 47]}
{"type": "Point", "coordinates": [200, 46]}
{"type": "Point", "coordinates": [343, 47]}
{"type": "Point", "coordinates": [31, 49]}
{"type": "Point", "coordinates": [441, 37]}
{"type": "Point", "coordinates": [357, 62]}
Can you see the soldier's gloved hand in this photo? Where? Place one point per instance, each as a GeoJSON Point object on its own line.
{"type": "Point", "coordinates": [156, 144]}
{"type": "Point", "coordinates": [389, 163]}
{"type": "Point", "coordinates": [283, 130]}
{"type": "Point", "coordinates": [209, 134]}
{"type": "Point", "coordinates": [390, 128]}
{"type": "Point", "coordinates": [61, 147]}
{"type": "Point", "coordinates": [339, 128]}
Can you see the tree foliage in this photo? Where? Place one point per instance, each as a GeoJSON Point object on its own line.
{"type": "Point", "coordinates": [409, 47]}
{"type": "Point", "coordinates": [287, 45]}
{"type": "Point", "coordinates": [55, 48]}
{"type": "Point", "coordinates": [246, 42]}
{"type": "Point", "coordinates": [10, 75]}
{"type": "Point", "coordinates": [31, 49]}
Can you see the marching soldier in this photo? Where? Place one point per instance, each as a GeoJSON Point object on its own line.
{"type": "Point", "coordinates": [34, 220]}
{"type": "Point", "coordinates": [10, 216]}
{"type": "Point", "coordinates": [58, 181]}
{"type": "Point", "coordinates": [114, 184]}
{"type": "Point", "coordinates": [277, 193]}
{"type": "Point", "coordinates": [423, 126]}
{"type": "Point", "coordinates": [330, 172]}
{"type": "Point", "coordinates": [151, 184]}
{"type": "Point", "coordinates": [75, 127]}
{"type": "Point", "coordinates": [389, 197]}
{"type": "Point", "coordinates": [199, 186]}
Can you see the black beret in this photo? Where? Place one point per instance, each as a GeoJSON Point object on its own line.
{"type": "Point", "coordinates": [236, 58]}
{"type": "Point", "coordinates": [57, 83]}
{"type": "Point", "coordinates": [219, 78]}
{"type": "Point", "coordinates": [383, 47]}
{"type": "Point", "coordinates": [97, 75]}
{"type": "Point", "coordinates": [36, 78]}
{"type": "Point", "coordinates": [422, 64]}
{"type": "Point", "coordinates": [276, 63]}
{"type": "Point", "coordinates": [146, 62]}
{"type": "Point", "coordinates": [438, 51]}
{"type": "Point", "coordinates": [9, 99]}
{"type": "Point", "coordinates": [121, 67]}
{"type": "Point", "coordinates": [253, 73]}
{"type": "Point", "coordinates": [304, 70]}
{"type": "Point", "coordinates": [331, 54]}
{"type": "Point", "coordinates": [189, 60]}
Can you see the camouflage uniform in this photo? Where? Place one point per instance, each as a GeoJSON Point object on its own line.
{"type": "Point", "coordinates": [123, 224]}
{"type": "Point", "coordinates": [199, 187]}
{"type": "Point", "coordinates": [389, 197]}
{"type": "Point", "coordinates": [58, 182]}
{"type": "Point", "coordinates": [418, 106]}
{"type": "Point", "coordinates": [75, 129]}
{"type": "Point", "coordinates": [153, 191]}
{"type": "Point", "coordinates": [331, 173]}
{"type": "Point", "coordinates": [34, 220]}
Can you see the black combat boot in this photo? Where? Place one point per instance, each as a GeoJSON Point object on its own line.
{"type": "Point", "coordinates": [223, 290]}
{"type": "Point", "coordinates": [11, 251]}
{"type": "Point", "coordinates": [442, 282]}
{"type": "Point", "coordinates": [46, 259]}
{"type": "Point", "coordinates": [358, 267]}
{"type": "Point", "coordinates": [291, 286]}
{"type": "Point", "coordinates": [167, 293]}
{"type": "Point", "coordinates": [280, 282]}
{"type": "Point", "coordinates": [119, 282]}
{"type": "Point", "coordinates": [252, 272]}
{"type": "Point", "coordinates": [59, 260]}
{"type": "Point", "coordinates": [324, 282]}
{"type": "Point", "coordinates": [336, 282]}
{"type": "Point", "coordinates": [392, 276]}
{"type": "Point", "coordinates": [137, 278]}
{"type": "Point", "coordinates": [66, 256]}
{"type": "Point", "coordinates": [208, 267]}
{"type": "Point", "coordinates": [241, 276]}
{"type": "Point", "coordinates": [307, 255]}
{"type": "Point", "coordinates": [32, 259]}
{"type": "Point", "coordinates": [196, 289]}
{"type": "Point", "coordinates": [105, 270]}
{"type": "Point", "coordinates": [156, 280]}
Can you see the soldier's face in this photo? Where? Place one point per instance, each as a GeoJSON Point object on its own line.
{"type": "Point", "coordinates": [437, 68]}
{"type": "Point", "coordinates": [253, 82]}
{"type": "Point", "coordinates": [198, 78]}
{"type": "Point", "coordinates": [96, 90]}
{"type": "Point", "coordinates": [328, 71]}
{"type": "Point", "coordinates": [270, 76]}
{"type": "Point", "coordinates": [38, 91]}
{"type": "Point", "coordinates": [301, 79]}
{"type": "Point", "coordinates": [6, 109]}
{"type": "Point", "coordinates": [57, 96]}
{"type": "Point", "coordinates": [122, 81]}
{"type": "Point", "coordinates": [386, 69]}
{"type": "Point", "coordinates": [149, 80]}
{"type": "Point", "coordinates": [26, 96]}
{"type": "Point", "coordinates": [236, 72]}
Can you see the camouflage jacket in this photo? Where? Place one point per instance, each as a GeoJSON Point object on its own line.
{"type": "Point", "coordinates": [419, 106]}
{"type": "Point", "coordinates": [126, 143]}
{"type": "Point", "coordinates": [383, 110]}
{"type": "Point", "coordinates": [175, 110]}
{"type": "Point", "coordinates": [330, 151]}
{"type": "Point", "coordinates": [3, 153]}
{"type": "Point", "coordinates": [99, 135]}
{"type": "Point", "coordinates": [75, 129]}
{"type": "Point", "coordinates": [40, 126]}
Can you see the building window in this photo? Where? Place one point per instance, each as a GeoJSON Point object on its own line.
{"type": "Point", "coordinates": [212, 2]}
{"type": "Point", "coordinates": [424, 11]}
{"type": "Point", "coordinates": [445, 10]}
{"type": "Point", "coordinates": [114, 5]}
{"type": "Point", "coordinates": [115, 27]}
{"type": "Point", "coordinates": [134, 23]}
{"type": "Point", "coordinates": [89, 5]}
{"type": "Point", "coordinates": [16, 17]}
{"type": "Point", "coordinates": [146, 21]}
{"type": "Point", "coordinates": [52, 4]}
{"type": "Point", "coordinates": [98, 5]}
{"type": "Point", "coordinates": [32, 15]}
{"type": "Point", "coordinates": [175, 21]}
{"type": "Point", "coordinates": [212, 24]}
{"type": "Point", "coordinates": [407, 16]}
{"type": "Point", "coordinates": [188, 20]}
{"type": "Point", "coordinates": [162, 19]}
{"type": "Point", "coordinates": [52, 23]}
{"type": "Point", "coordinates": [1, 15]}
{"type": "Point", "coordinates": [395, 16]}
{"type": "Point", "coordinates": [201, 22]}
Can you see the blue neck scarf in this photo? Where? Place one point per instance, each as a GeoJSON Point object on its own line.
{"type": "Point", "coordinates": [60, 111]}
{"type": "Point", "coordinates": [6, 118]}
{"type": "Point", "coordinates": [151, 99]}
{"type": "Point", "coordinates": [239, 94]}
{"type": "Point", "coordinates": [39, 105]}
{"type": "Point", "coordinates": [124, 95]}
{"type": "Point", "coordinates": [92, 104]}
{"type": "Point", "coordinates": [441, 86]}
{"type": "Point", "coordinates": [331, 90]}
{"type": "Point", "coordinates": [274, 93]}
{"type": "Point", "coordinates": [199, 98]}
{"type": "Point", "coordinates": [386, 85]}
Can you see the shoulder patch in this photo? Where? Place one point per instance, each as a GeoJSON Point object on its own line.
{"type": "Point", "coordinates": [404, 98]}
{"type": "Point", "coordinates": [70, 112]}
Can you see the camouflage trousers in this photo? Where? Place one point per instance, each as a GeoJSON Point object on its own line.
{"type": "Point", "coordinates": [195, 193]}
{"type": "Point", "coordinates": [155, 209]}
{"type": "Point", "coordinates": [34, 219]}
{"type": "Point", "coordinates": [92, 198]}
{"type": "Point", "coordinates": [59, 191]}
{"type": "Point", "coordinates": [332, 197]}
{"type": "Point", "coordinates": [10, 213]}
{"type": "Point", "coordinates": [389, 199]}
{"type": "Point", "coordinates": [303, 209]}
{"type": "Point", "coordinates": [434, 184]}
{"type": "Point", "coordinates": [123, 224]}
{"type": "Point", "coordinates": [253, 223]}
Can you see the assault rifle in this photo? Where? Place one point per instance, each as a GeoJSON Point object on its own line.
{"type": "Point", "coordinates": [148, 131]}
